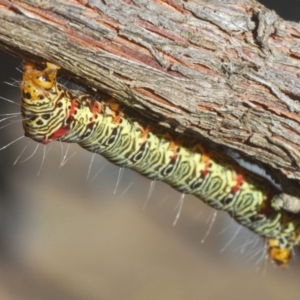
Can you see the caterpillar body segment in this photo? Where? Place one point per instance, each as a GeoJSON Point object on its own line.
{"type": "Point", "coordinates": [52, 112]}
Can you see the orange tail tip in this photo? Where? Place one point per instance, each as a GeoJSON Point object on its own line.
{"type": "Point", "coordinates": [281, 256]}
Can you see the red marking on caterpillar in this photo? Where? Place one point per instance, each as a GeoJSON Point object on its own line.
{"type": "Point", "coordinates": [239, 181]}
{"type": "Point", "coordinates": [206, 160]}
{"type": "Point", "coordinates": [57, 134]}
{"type": "Point", "coordinates": [74, 106]}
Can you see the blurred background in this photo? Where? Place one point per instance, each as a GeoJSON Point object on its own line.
{"type": "Point", "coordinates": [69, 231]}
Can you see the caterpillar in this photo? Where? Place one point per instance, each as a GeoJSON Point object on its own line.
{"type": "Point", "coordinates": [102, 125]}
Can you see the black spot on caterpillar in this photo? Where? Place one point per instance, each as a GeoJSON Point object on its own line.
{"type": "Point", "coordinates": [51, 112]}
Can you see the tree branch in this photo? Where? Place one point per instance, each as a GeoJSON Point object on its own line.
{"type": "Point", "coordinates": [227, 72]}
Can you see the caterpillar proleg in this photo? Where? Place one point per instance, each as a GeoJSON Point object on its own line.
{"type": "Point", "coordinates": [101, 125]}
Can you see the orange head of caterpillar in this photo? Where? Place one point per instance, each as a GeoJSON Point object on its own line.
{"type": "Point", "coordinates": [43, 103]}
{"type": "Point", "coordinates": [36, 84]}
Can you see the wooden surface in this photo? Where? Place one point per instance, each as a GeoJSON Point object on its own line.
{"type": "Point", "coordinates": [228, 73]}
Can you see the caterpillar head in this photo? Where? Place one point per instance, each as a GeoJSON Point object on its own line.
{"type": "Point", "coordinates": [43, 103]}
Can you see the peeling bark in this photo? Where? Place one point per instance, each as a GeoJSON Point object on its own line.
{"type": "Point", "coordinates": [225, 71]}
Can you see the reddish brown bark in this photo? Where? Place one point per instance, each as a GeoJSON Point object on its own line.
{"type": "Point", "coordinates": [227, 72]}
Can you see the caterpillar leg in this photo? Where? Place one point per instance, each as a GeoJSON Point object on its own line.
{"type": "Point", "coordinates": [287, 202]}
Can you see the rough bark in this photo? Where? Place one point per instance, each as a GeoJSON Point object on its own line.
{"type": "Point", "coordinates": [225, 71]}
